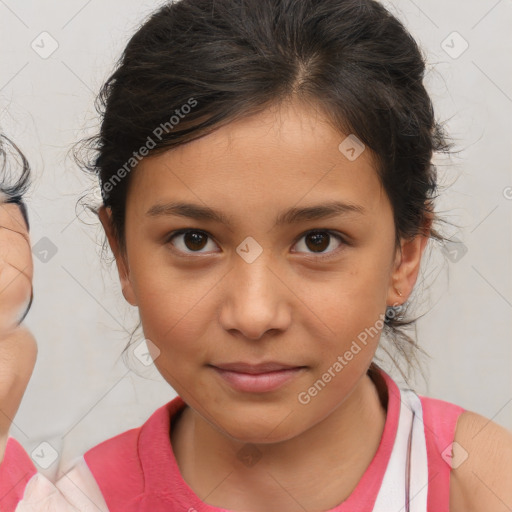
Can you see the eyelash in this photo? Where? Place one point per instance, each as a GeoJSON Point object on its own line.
{"type": "Point", "coordinates": [315, 256]}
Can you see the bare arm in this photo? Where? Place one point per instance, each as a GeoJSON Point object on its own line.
{"type": "Point", "coordinates": [483, 482]}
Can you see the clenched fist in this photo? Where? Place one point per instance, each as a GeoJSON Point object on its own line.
{"type": "Point", "coordinates": [16, 268]}
{"type": "Point", "coordinates": [18, 348]}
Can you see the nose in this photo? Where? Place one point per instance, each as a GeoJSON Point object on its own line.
{"type": "Point", "coordinates": [256, 301]}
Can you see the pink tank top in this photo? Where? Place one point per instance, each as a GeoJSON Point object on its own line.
{"type": "Point", "coordinates": [137, 470]}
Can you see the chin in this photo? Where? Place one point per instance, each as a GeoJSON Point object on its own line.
{"type": "Point", "coordinates": [262, 428]}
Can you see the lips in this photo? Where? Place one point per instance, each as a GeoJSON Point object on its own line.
{"type": "Point", "coordinates": [257, 378]}
{"type": "Point", "coordinates": [255, 369]}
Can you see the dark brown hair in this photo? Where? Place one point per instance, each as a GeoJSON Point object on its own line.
{"type": "Point", "coordinates": [196, 65]}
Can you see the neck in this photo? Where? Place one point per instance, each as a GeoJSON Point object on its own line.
{"type": "Point", "coordinates": [340, 449]}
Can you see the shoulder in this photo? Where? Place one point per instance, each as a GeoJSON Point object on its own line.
{"type": "Point", "coordinates": [481, 476]}
{"type": "Point", "coordinates": [115, 464]}
{"type": "Point", "coordinates": [125, 465]}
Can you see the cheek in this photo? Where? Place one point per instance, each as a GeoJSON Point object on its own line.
{"type": "Point", "coordinates": [348, 308]}
{"type": "Point", "coordinates": [351, 296]}
{"type": "Point", "coordinates": [174, 306]}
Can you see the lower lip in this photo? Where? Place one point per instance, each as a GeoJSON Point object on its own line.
{"type": "Point", "coordinates": [258, 383]}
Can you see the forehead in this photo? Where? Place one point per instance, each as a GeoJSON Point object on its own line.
{"type": "Point", "coordinates": [284, 155]}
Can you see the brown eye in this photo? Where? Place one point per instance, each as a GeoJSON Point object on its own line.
{"type": "Point", "coordinates": [189, 241]}
{"type": "Point", "coordinates": [319, 241]}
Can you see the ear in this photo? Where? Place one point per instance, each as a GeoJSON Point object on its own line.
{"type": "Point", "coordinates": [407, 265]}
{"type": "Point", "coordinates": [123, 269]}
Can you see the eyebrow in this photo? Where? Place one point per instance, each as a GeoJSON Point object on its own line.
{"type": "Point", "coordinates": [291, 216]}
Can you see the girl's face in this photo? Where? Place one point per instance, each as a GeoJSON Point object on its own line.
{"type": "Point", "coordinates": [16, 267]}
{"type": "Point", "coordinates": [257, 285]}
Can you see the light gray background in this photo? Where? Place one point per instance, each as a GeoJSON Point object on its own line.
{"type": "Point", "coordinates": [81, 392]}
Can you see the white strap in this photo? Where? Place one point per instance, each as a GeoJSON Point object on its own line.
{"type": "Point", "coordinates": [419, 461]}
{"type": "Point", "coordinates": [392, 492]}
